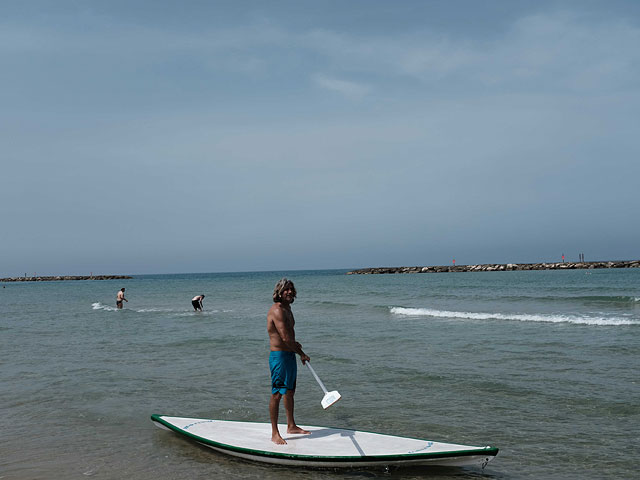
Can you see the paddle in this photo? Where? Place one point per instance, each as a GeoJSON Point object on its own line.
{"type": "Point", "coordinates": [329, 397]}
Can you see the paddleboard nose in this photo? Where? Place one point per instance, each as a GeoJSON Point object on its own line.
{"type": "Point", "coordinates": [330, 398]}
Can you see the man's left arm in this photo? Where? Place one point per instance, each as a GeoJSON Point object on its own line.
{"type": "Point", "coordinates": [303, 356]}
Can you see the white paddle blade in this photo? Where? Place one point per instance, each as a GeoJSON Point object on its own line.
{"type": "Point", "coordinates": [330, 398]}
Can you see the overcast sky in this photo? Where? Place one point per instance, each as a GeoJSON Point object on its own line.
{"type": "Point", "coordinates": [203, 136]}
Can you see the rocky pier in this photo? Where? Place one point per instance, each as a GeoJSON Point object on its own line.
{"type": "Point", "coordinates": [499, 267]}
{"type": "Point", "coordinates": [64, 277]}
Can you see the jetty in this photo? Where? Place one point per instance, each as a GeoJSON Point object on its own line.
{"type": "Point", "coordinates": [498, 267]}
{"type": "Point", "coordinates": [64, 277]}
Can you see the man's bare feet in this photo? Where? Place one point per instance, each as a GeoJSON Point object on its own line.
{"type": "Point", "coordinates": [277, 439]}
{"type": "Point", "coordinates": [297, 429]}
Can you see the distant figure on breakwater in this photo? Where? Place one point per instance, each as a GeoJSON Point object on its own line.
{"type": "Point", "coordinates": [120, 298]}
{"type": "Point", "coordinates": [197, 302]}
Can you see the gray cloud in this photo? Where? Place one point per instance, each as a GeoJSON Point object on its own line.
{"type": "Point", "coordinates": [149, 140]}
{"type": "Point", "coordinates": [345, 87]}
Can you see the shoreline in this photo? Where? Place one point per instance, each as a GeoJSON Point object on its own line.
{"type": "Point", "coordinates": [53, 278]}
{"type": "Point", "coordinates": [498, 267]}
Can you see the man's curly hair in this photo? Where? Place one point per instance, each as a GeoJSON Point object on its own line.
{"type": "Point", "coordinates": [280, 287]}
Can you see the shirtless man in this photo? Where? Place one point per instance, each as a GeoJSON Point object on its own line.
{"type": "Point", "coordinates": [197, 302]}
{"type": "Point", "coordinates": [120, 298]}
{"type": "Point", "coordinates": [282, 358]}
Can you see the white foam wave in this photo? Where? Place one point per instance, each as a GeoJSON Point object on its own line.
{"type": "Point", "coordinates": [169, 310]}
{"type": "Point", "coordinates": [100, 306]}
{"type": "Point", "coordinates": [582, 320]}
{"type": "Point", "coordinates": [190, 314]}
{"type": "Point", "coordinates": [154, 310]}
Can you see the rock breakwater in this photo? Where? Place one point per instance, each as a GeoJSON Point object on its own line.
{"type": "Point", "coordinates": [499, 267]}
{"type": "Point", "coordinates": [64, 277]}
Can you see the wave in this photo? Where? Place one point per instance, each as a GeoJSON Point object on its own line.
{"type": "Point", "coordinates": [181, 312]}
{"type": "Point", "coordinates": [192, 313]}
{"type": "Point", "coordinates": [100, 306]}
{"type": "Point", "coordinates": [620, 299]}
{"type": "Point", "coordinates": [330, 304]}
{"type": "Point", "coordinates": [155, 310]}
{"type": "Point", "coordinates": [608, 299]}
{"type": "Point", "coordinates": [590, 298]}
{"type": "Point", "coordinates": [522, 317]}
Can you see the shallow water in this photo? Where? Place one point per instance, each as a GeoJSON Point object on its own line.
{"type": "Point", "coordinates": [542, 364]}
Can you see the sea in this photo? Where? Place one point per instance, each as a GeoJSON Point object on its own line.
{"type": "Point", "coordinates": [544, 365]}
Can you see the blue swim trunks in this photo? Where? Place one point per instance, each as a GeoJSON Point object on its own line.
{"type": "Point", "coordinates": [284, 370]}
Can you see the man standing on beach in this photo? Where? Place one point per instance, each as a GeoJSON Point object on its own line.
{"type": "Point", "coordinates": [120, 298]}
{"type": "Point", "coordinates": [197, 302]}
{"type": "Point", "coordinates": [282, 358]}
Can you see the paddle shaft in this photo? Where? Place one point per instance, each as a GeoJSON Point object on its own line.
{"type": "Point", "coordinates": [324, 389]}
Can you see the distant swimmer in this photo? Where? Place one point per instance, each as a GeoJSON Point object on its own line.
{"type": "Point", "coordinates": [197, 302]}
{"type": "Point", "coordinates": [120, 298]}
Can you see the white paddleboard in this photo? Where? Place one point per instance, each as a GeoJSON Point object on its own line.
{"type": "Point", "coordinates": [324, 447]}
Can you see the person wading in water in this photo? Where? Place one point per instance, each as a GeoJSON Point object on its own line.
{"type": "Point", "coordinates": [120, 298]}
